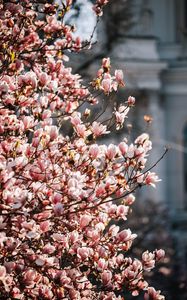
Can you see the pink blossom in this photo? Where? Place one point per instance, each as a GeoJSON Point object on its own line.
{"type": "Point", "coordinates": [131, 151]}
{"type": "Point", "coordinates": [83, 253]}
{"type": "Point", "coordinates": [120, 259]}
{"type": "Point", "coordinates": [123, 148]}
{"type": "Point", "coordinates": [102, 264]}
{"type": "Point", "coordinates": [81, 130]}
{"type": "Point", "coordinates": [100, 190]}
{"type": "Point", "coordinates": [31, 277]}
{"type": "Point", "coordinates": [58, 212]}
{"type": "Point", "coordinates": [122, 211]}
{"type": "Point", "coordinates": [49, 249]}
{"type": "Point", "coordinates": [106, 85]}
{"type": "Point", "coordinates": [129, 200]}
{"type": "Point", "coordinates": [148, 260]}
{"type": "Point", "coordinates": [113, 230]}
{"type": "Point", "coordinates": [4, 88]}
{"type": "Point", "coordinates": [69, 2]}
{"type": "Point", "coordinates": [159, 254]}
{"type": "Point", "coordinates": [45, 292]}
{"type": "Point", "coordinates": [46, 114]}
{"type": "Point", "coordinates": [152, 294]}
{"type": "Point", "coordinates": [58, 209]}
{"type": "Point", "coordinates": [106, 277]}
{"type": "Point", "coordinates": [142, 138]}
{"type": "Point", "coordinates": [2, 273]}
{"type": "Point", "coordinates": [52, 131]}
{"type": "Point", "coordinates": [125, 235]}
{"type": "Point", "coordinates": [94, 151]}
{"type": "Point", "coordinates": [151, 178]}
{"type": "Point", "coordinates": [76, 120]}
{"type": "Point", "coordinates": [98, 129]}
{"type": "Point", "coordinates": [106, 63]}
{"type": "Point", "coordinates": [131, 101]}
{"type": "Point", "coordinates": [85, 220]}
{"type": "Point", "coordinates": [44, 79]}
{"type": "Point", "coordinates": [28, 122]}
{"type": "Point", "coordinates": [73, 237]}
{"type": "Point", "coordinates": [119, 77]}
{"type": "Point", "coordinates": [111, 151]}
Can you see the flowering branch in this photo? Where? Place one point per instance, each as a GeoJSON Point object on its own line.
{"type": "Point", "coordinates": [57, 192]}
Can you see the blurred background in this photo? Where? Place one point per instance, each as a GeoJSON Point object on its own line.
{"type": "Point", "coordinates": [147, 39]}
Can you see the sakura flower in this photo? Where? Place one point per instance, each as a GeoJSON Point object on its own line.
{"type": "Point", "coordinates": [148, 260]}
{"type": "Point", "coordinates": [30, 278]}
{"type": "Point", "coordinates": [159, 254]}
{"type": "Point", "coordinates": [142, 138]}
{"type": "Point", "coordinates": [151, 178]}
{"type": "Point", "coordinates": [152, 294]}
{"type": "Point", "coordinates": [83, 253]}
{"type": "Point", "coordinates": [106, 277]}
{"type": "Point", "coordinates": [102, 264]}
{"type": "Point", "coordinates": [131, 101]}
{"type": "Point", "coordinates": [100, 190]}
{"type": "Point", "coordinates": [94, 151]}
{"type": "Point", "coordinates": [121, 114]}
{"type": "Point", "coordinates": [76, 120]}
{"type": "Point", "coordinates": [28, 122]}
{"type": "Point", "coordinates": [2, 273]}
{"type": "Point", "coordinates": [131, 151]}
{"type": "Point", "coordinates": [106, 63]}
{"type": "Point", "coordinates": [49, 249]}
{"type": "Point", "coordinates": [58, 211]}
{"type": "Point", "coordinates": [129, 200]}
{"type": "Point", "coordinates": [123, 147]}
{"type": "Point", "coordinates": [4, 88]}
{"type": "Point", "coordinates": [44, 79]}
{"type": "Point", "coordinates": [85, 220]}
{"type": "Point", "coordinates": [98, 129]}
{"type": "Point", "coordinates": [113, 230]}
{"type": "Point", "coordinates": [125, 235]}
{"type": "Point", "coordinates": [81, 130]}
{"type": "Point", "coordinates": [111, 151]}
{"type": "Point", "coordinates": [106, 85]}
{"type": "Point", "coordinates": [119, 77]}
{"type": "Point", "coordinates": [45, 292]}
{"type": "Point", "coordinates": [52, 131]}
{"type": "Point", "coordinates": [122, 211]}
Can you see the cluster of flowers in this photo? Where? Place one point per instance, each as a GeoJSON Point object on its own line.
{"type": "Point", "coordinates": [58, 193]}
{"type": "Point", "coordinates": [98, 7]}
{"type": "Point", "coordinates": [105, 81]}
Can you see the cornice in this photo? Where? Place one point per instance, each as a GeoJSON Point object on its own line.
{"type": "Point", "coordinates": [175, 80]}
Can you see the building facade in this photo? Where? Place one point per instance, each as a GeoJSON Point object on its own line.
{"type": "Point", "coordinates": [149, 42]}
{"type": "Point", "coordinates": [152, 51]}
{"type": "Point", "coordinates": [153, 55]}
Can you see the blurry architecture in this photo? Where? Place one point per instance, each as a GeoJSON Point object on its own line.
{"type": "Point", "coordinates": [153, 54]}
{"type": "Point", "coordinates": [148, 40]}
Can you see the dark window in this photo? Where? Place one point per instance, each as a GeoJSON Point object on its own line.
{"type": "Point", "coordinates": [185, 157]}
{"type": "Point", "coordinates": [185, 14]}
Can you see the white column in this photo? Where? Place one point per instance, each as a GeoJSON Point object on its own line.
{"type": "Point", "coordinates": [157, 134]}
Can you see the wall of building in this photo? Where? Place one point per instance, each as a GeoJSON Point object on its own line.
{"type": "Point", "coordinates": [152, 51]}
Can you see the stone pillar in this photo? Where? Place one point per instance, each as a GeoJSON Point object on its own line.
{"type": "Point", "coordinates": [157, 134]}
{"type": "Point", "coordinates": [175, 93]}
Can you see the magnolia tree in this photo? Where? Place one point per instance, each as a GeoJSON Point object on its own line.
{"type": "Point", "coordinates": [58, 238]}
